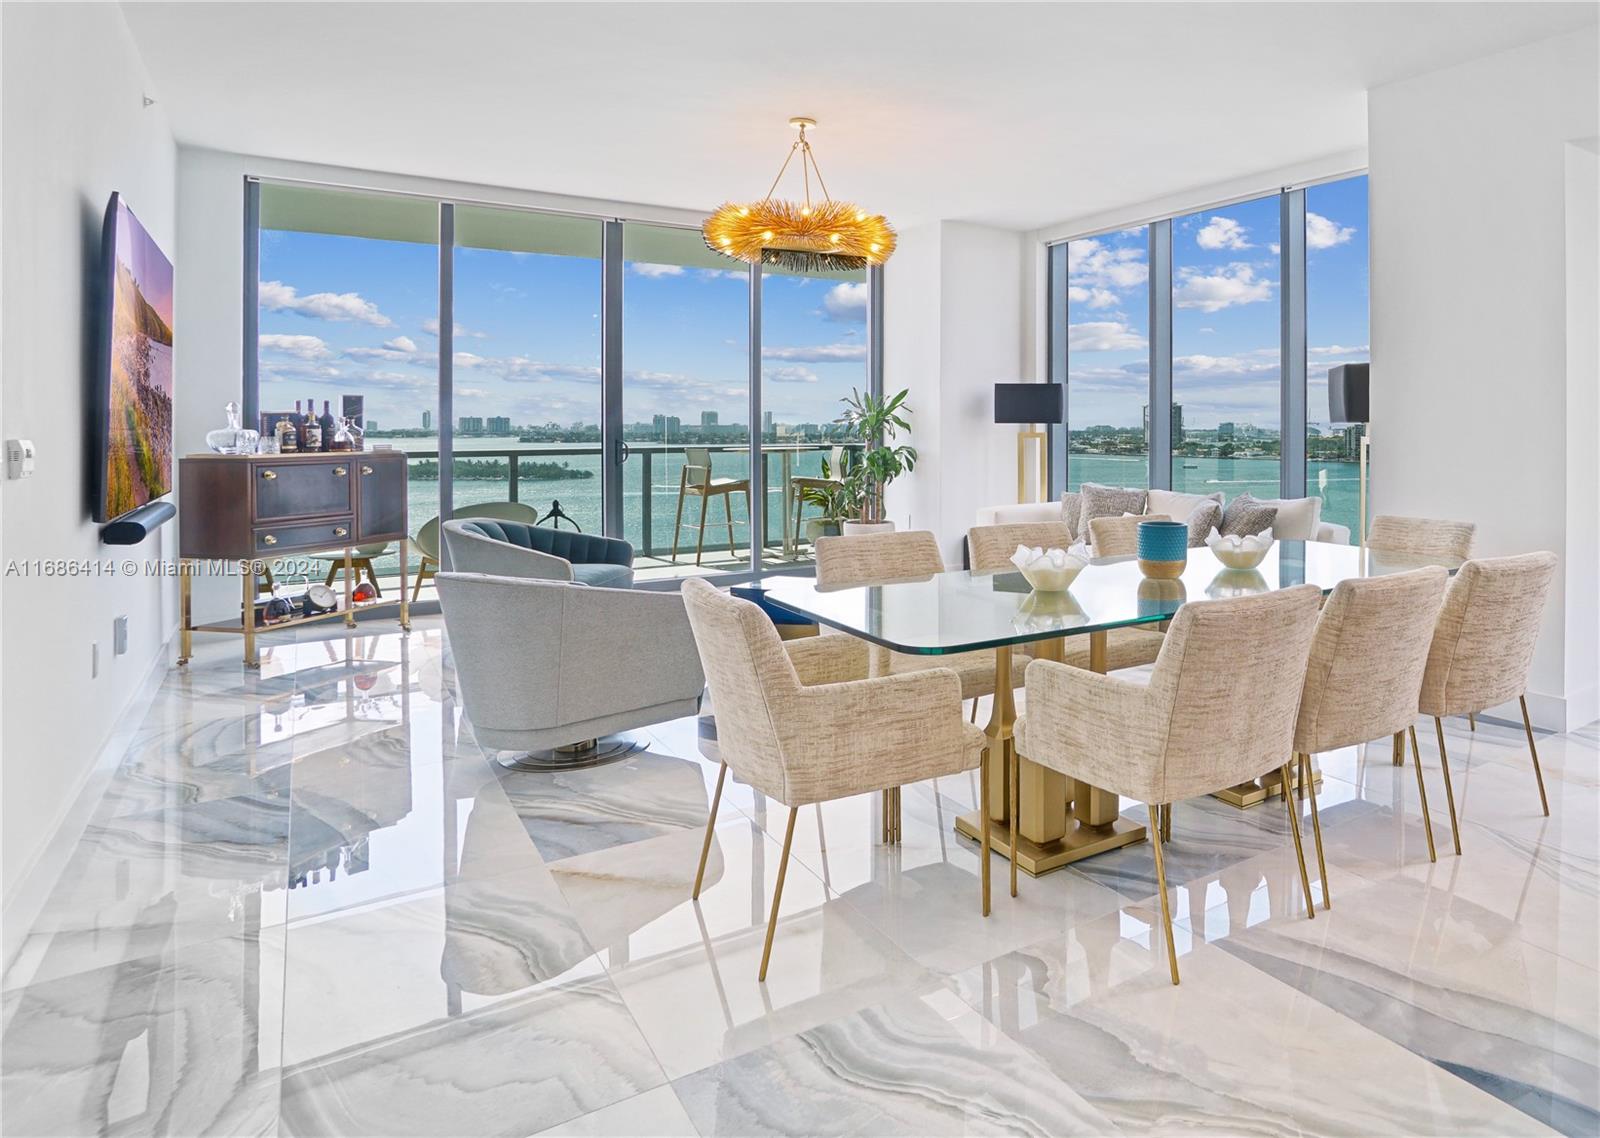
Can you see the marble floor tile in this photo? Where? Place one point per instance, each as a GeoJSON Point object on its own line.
{"type": "Point", "coordinates": [512, 1067]}
{"type": "Point", "coordinates": [916, 1065]}
{"type": "Point", "coordinates": [1096, 1006]}
{"type": "Point", "coordinates": [180, 1042]}
{"type": "Point", "coordinates": [656, 1113]}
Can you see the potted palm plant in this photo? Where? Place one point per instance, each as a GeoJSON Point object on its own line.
{"type": "Point", "coordinates": [878, 421]}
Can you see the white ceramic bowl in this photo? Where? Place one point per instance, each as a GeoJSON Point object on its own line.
{"type": "Point", "coordinates": [1046, 578]}
{"type": "Point", "coordinates": [1241, 558]}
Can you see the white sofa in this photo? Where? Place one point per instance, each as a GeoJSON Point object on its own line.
{"type": "Point", "coordinates": [1315, 527]}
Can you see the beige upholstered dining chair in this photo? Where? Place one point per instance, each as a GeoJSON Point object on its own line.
{"type": "Point", "coordinates": [1367, 657]}
{"type": "Point", "coordinates": [883, 558]}
{"type": "Point", "coordinates": [1219, 709]}
{"type": "Point", "coordinates": [1119, 537]}
{"type": "Point", "coordinates": [1483, 646]}
{"type": "Point", "coordinates": [697, 481]}
{"type": "Point", "coordinates": [1421, 537]}
{"type": "Point", "coordinates": [802, 744]}
{"type": "Point", "coordinates": [990, 549]}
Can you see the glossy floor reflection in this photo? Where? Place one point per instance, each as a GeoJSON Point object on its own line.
{"type": "Point", "coordinates": [309, 904]}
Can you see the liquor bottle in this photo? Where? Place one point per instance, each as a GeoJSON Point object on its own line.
{"type": "Point", "coordinates": [299, 427]}
{"type": "Point", "coordinates": [326, 423]}
{"type": "Point", "coordinates": [287, 442]}
{"type": "Point", "coordinates": [313, 435]}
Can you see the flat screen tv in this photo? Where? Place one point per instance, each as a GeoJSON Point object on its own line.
{"type": "Point", "coordinates": [134, 449]}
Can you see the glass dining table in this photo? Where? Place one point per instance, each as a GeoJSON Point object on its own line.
{"type": "Point", "coordinates": [968, 611]}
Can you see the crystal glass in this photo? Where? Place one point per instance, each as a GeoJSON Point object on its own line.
{"type": "Point", "coordinates": [232, 439]}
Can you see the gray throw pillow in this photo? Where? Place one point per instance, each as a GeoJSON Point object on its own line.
{"type": "Point", "coordinates": [1071, 506]}
{"type": "Point", "coordinates": [1206, 517]}
{"type": "Point", "coordinates": [1098, 501]}
{"type": "Point", "coordinates": [1247, 516]}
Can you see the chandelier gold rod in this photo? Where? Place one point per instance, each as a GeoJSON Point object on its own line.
{"type": "Point", "coordinates": [789, 158]}
{"type": "Point", "coordinates": [826, 196]}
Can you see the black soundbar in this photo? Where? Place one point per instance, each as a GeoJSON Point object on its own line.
{"type": "Point", "coordinates": [136, 525]}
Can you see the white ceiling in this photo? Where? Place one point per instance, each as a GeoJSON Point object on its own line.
{"type": "Point", "coordinates": [1010, 114]}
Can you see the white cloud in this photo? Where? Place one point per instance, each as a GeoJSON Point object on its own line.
{"type": "Point", "coordinates": [1103, 336]}
{"type": "Point", "coordinates": [1092, 297]}
{"type": "Point", "coordinates": [300, 347]}
{"type": "Point", "coordinates": [1338, 350]}
{"type": "Point", "coordinates": [458, 330]}
{"type": "Point", "coordinates": [1232, 366]}
{"type": "Point", "coordinates": [789, 374]}
{"type": "Point", "coordinates": [275, 296]}
{"type": "Point", "coordinates": [1221, 288]}
{"type": "Point", "coordinates": [1093, 264]}
{"type": "Point", "coordinates": [1324, 234]}
{"type": "Point", "coordinates": [401, 344]}
{"type": "Point", "coordinates": [647, 269]}
{"type": "Point", "coordinates": [1222, 233]}
{"type": "Point", "coordinates": [846, 303]}
{"type": "Point", "coordinates": [817, 354]}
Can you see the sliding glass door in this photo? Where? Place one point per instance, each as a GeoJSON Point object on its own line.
{"type": "Point", "coordinates": [1108, 344]}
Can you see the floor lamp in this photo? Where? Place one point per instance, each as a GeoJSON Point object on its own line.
{"type": "Point", "coordinates": [1029, 405]}
{"type": "Point", "coordinates": [1348, 390]}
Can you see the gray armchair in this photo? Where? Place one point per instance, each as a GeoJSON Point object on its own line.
{"type": "Point", "coordinates": [549, 669]}
{"type": "Point", "coordinates": [515, 549]}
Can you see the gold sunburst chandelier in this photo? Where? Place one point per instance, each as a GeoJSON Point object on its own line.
{"type": "Point", "coordinates": [800, 235]}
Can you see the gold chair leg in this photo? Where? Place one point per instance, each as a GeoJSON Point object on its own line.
{"type": "Point", "coordinates": [983, 825]}
{"type": "Point", "coordinates": [1472, 721]}
{"type": "Point", "coordinates": [974, 716]}
{"type": "Point", "coordinates": [1527, 725]}
{"type": "Point", "coordinates": [711, 825]}
{"type": "Point", "coordinates": [1449, 791]}
{"type": "Point", "coordinates": [1161, 886]}
{"type": "Point", "coordinates": [1299, 848]}
{"type": "Point", "coordinates": [1422, 793]}
{"type": "Point", "coordinates": [1166, 822]}
{"type": "Point", "coordinates": [1013, 784]}
{"type": "Point", "coordinates": [423, 573]}
{"type": "Point", "coordinates": [1397, 748]}
{"type": "Point", "coordinates": [700, 534]}
{"type": "Point", "coordinates": [727, 512]}
{"type": "Point", "coordinates": [1308, 780]}
{"type": "Point", "coordinates": [777, 892]}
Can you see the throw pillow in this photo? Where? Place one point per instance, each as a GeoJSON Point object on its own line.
{"type": "Point", "coordinates": [1179, 505]}
{"type": "Point", "coordinates": [1098, 501]}
{"type": "Point", "coordinates": [1298, 518]}
{"type": "Point", "coordinates": [1071, 504]}
{"type": "Point", "coordinates": [1246, 516]}
{"type": "Point", "coordinates": [1206, 517]}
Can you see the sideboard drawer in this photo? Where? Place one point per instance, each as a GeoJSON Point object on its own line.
{"type": "Point", "coordinates": [334, 533]}
{"type": "Point", "coordinates": [303, 489]}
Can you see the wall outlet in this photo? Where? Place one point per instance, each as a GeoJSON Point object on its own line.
{"type": "Point", "coordinates": [19, 458]}
{"type": "Point", "coordinates": [119, 636]}
{"type": "Point", "coordinates": [94, 660]}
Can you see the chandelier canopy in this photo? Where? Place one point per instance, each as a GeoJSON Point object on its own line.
{"type": "Point", "coordinates": [801, 235]}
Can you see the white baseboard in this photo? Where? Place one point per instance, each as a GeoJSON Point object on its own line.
{"type": "Point", "coordinates": [22, 908]}
{"type": "Point", "coordinates": [1548, 712]}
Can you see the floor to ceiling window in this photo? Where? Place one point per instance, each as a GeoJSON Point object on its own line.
{"type": "Point", "coordinates": [1108, 359]}
{"type": "Point", "coordinates": [526, 362]}
{"type": "Point", "coordinates": [1336, 333]}
{"type": "Point", "coordinates": [685, 401]}
{"type": "Point", "coordinates": [348, 290]}
{"type": "Point", "coordinates": [1226, 421]}
{"type": "Point", "coordinates": [813, 356]}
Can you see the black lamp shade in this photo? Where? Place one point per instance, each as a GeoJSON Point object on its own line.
{"type": "Point", "coordinates": [1347, 394]}
{"type": "Point", "coordinates": [1027, 403]}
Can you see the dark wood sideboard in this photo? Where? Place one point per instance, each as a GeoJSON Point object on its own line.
{"type": "Point", "coordinates": [250, 509]}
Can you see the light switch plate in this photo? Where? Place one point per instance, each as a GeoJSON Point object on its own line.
{"type": "Point", "coordinates": [19, 458]}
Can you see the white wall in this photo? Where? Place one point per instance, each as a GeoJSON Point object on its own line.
{"type": "Point", "coordinates": [1470, 370]}
{"type": "Point", "coordinates": [75, 130]}
{"type": "Point", "coordinates": [953, 328]}
{"type": "Point", "coordinates": [1583, 432]}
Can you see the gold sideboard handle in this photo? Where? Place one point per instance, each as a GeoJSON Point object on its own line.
{"type": "Point", "coordinates": [340, 531]}
{"type": "Point", "coordinates": [269, 474]}
{"type": "Point", "coordinates": [340, 471]}
{"type": "Point", "coordinates": [366, 469]}
{"type": "Point", "coordinates": [268, 539]}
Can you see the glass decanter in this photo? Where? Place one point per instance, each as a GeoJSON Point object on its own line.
{"type": "Point", "coordinates": [232, 439]}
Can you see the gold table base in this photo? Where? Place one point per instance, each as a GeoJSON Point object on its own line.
{"type": "Point", "coordinates": [1034, 858]}
{"type": "Point", "coordinates": [1257, 791]}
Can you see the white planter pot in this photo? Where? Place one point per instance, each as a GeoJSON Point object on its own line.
{"type": "Point", "coordinates": [851, 529]}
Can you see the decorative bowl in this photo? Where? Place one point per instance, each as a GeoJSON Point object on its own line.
{"type": "Point", "coordinates": [1048, 570]}
{"type": "Point", "coordinates": [1163, 549]}
{"type": "Point", "coordinates": [1240, 552]}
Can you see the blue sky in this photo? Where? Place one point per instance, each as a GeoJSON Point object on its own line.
{"type": "Point", "coordinates": [357, 315]}
{"type": "Point", "coordinates": [1226, 294]}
